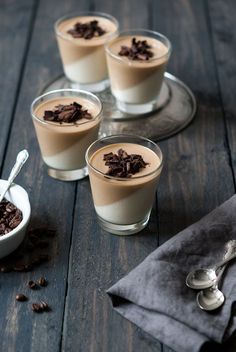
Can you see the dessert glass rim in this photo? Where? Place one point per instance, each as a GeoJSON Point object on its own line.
{"type": "Point", "coordinates": [85, 13]}
{"type": "Point", "coordinates": [120, 179]}
{"type": "Point", "coordinates": [136, 31]}
{"type": "Point", "coordinates": [69, 90]}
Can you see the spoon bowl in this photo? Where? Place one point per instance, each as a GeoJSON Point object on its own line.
{"type": "Point", "coordinates": [210, 298]}
{"type": "Point", "coordinates": [201, 278]}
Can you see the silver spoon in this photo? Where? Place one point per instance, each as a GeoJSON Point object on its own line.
{"type": "Point", "coordinates": [203, 278]}
{"type": "Point", "coordinates": [212, 298]}
{"type": "Point", "coordinates": [20, 160]}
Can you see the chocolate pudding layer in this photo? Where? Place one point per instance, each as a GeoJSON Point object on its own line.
{"type": "Point", "coordinates": [124, 200]}
{"type": "Point", "coordinates": [82, 48]}
{"type": "Point", "coordinates": [63, 144]}
{"type": "Point", "coordinates": [136, 79]}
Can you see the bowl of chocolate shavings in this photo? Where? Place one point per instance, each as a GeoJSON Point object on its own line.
{"type": "Point", "coordinates": [15, 214]}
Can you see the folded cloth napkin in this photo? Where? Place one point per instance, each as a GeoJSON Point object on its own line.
{"type": "Point", "coordinates": [154, 295]}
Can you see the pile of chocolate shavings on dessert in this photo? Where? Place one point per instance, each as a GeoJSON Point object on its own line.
{"type": "Point", "coordinates": [87, 30]}
{"type": "Point", "coordinates": [10, 217]}
{"type": "Point", "coordinates": [122, 164]}
{"type": "Point", "coordinates": [70, 113]}
{"type": "Point", "coordinates": [139, 50]}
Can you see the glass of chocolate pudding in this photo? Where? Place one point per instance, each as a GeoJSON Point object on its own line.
{"type": "Point", "coordinates": [81, 38]}
{"type": "Point", "coordinates": [66, 122]}
{"type": "Point", "coordinates": [124, 171]}
{"type": "Point", "coordinates": [137, 62]}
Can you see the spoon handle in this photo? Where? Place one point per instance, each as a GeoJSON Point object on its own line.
{"type": "Point", "coordinates": [219, 274]}
{"type": "Point", "coordinates": [226, 260]}
{"type": "Point", "coordinates": [20, 160]}
{"type": "Point", "coordinates": [230, 251]}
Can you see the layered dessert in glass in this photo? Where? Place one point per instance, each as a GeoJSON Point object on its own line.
{"type": "Point", "coordinates": [81, 38]}
{"type": "Point", "coordinates": [124, 172]}
{"type": "Point", "coordinates": [137, 62]}
{"type": "Point", "coordinates": [66, 122]}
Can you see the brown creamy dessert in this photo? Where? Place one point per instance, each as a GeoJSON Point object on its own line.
{"type": "Point", "coordinates": [81, 43]}
{"type": "Point", "coordinates": [136, 78]}
{"type": "Point", "coordinates": [124, 200]}
{"type": "Point", "coordinates": [63, 144]}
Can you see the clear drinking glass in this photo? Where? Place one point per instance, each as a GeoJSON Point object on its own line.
{"type": "Point", "coordinates": [136, 83]}
{"type": "Point", "coordinates": [123, 205]}
{"type": "Point", "coordinates": [63, 145]}
{"type": "Point", "coordinates": [84, 61]}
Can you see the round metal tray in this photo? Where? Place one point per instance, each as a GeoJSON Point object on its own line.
{"type": "Point", "coordinates": [176, 107]}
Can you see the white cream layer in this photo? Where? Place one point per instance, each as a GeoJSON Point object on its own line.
{"type": "Point", "coordinates": [89, 69]}
{"type": "Point", "coordinates": [72, 158]}
{"type": "Point", "coordinates": [129, 210]}
{"type": "Point", "coordinates": [143, 92]}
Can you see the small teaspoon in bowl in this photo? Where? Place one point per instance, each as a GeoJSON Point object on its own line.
{"type": "Point", "coordinates": [20, 160]}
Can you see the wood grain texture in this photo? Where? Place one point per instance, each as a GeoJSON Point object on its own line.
{"type": "Point", "coordinates": [223, 32]}
{"type": "Point", "coordinates": [197, 176]}
{"type": "Point", "coordinates": [98, 260]}
{"type": "Point", "coordinates": [52, 203]}
{"type": "Point", "coordinates": [14, 44]}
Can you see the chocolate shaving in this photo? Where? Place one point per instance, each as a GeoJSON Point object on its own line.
{"type": "Point", "coordinates": [70, 113]}
{"type": "Point", "coordinates": [139, 50]}
{"type": "Point", "coordinates": [10, 217]}
{"type": "Point", "coordinates": [86, 30]}
{"type": "Point", "coordinates": [122, 164]}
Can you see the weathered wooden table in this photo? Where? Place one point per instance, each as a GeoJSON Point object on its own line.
{"type": "Point", "coordinates": [199, 171]}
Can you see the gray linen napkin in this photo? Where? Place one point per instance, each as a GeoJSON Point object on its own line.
{"type": "Point", "coordinates": [154, 295]}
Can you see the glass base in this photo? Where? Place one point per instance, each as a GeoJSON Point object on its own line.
{"type": "Point", "coordinates": [123, 230]}
{"type": "Point", "coordinates": [90, 87]}
{"type": "Point", "coordinates": [68, 175]}
{"type": "Point", "coordinates": [137, 109]}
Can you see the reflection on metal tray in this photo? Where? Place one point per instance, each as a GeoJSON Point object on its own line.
{"type": "Point", "coordinates": [176, 107]}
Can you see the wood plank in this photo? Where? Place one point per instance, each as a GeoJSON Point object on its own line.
{"type": "Point", "coordinates": [16, 19]}
{"type": "Point", "coordinates": [52, 201]}
{"type": "Point", "coordinates": [222, 26]}
{"type": "Point", "coordinates": [198, 175]}
{"type": "Point", "coordinates": [98, 260]}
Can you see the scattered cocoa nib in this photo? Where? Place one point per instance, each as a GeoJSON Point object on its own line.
{"type": "Point", "coordinates": [32, 285]}
{"type": "Point", "coordinates": [40, 307]}
{"type": "Point", "coordinates": [6, 269]}
{"type": "Point", "coordinates": [33, 252]}
{"type": "Point", "coordinates": [123, 165]}
{"type": "Point", "coordinates": [44, 306]}
{"type": "Point", "coordinates": [42, 281]}
{"type": "Point", "coordinates": [70, 113]}
{"type": "Point", "coordinates": [36, 308]}
{"type": "Point", "coordinates": [28, 267]}
{"type": "Point", "coordinates": [139, 50]}
{"type": "Point", "coordinates": [86, 30]}
{"type": "Point", "coordinates": [19, 267]}
{"type": "Point", "coordinates": [10, 217]}
{"type": "Point", "coordinates": [21, 298]}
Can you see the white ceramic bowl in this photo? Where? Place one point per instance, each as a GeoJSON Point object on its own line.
{"type": "Point", "coordinates": [19, 197]}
